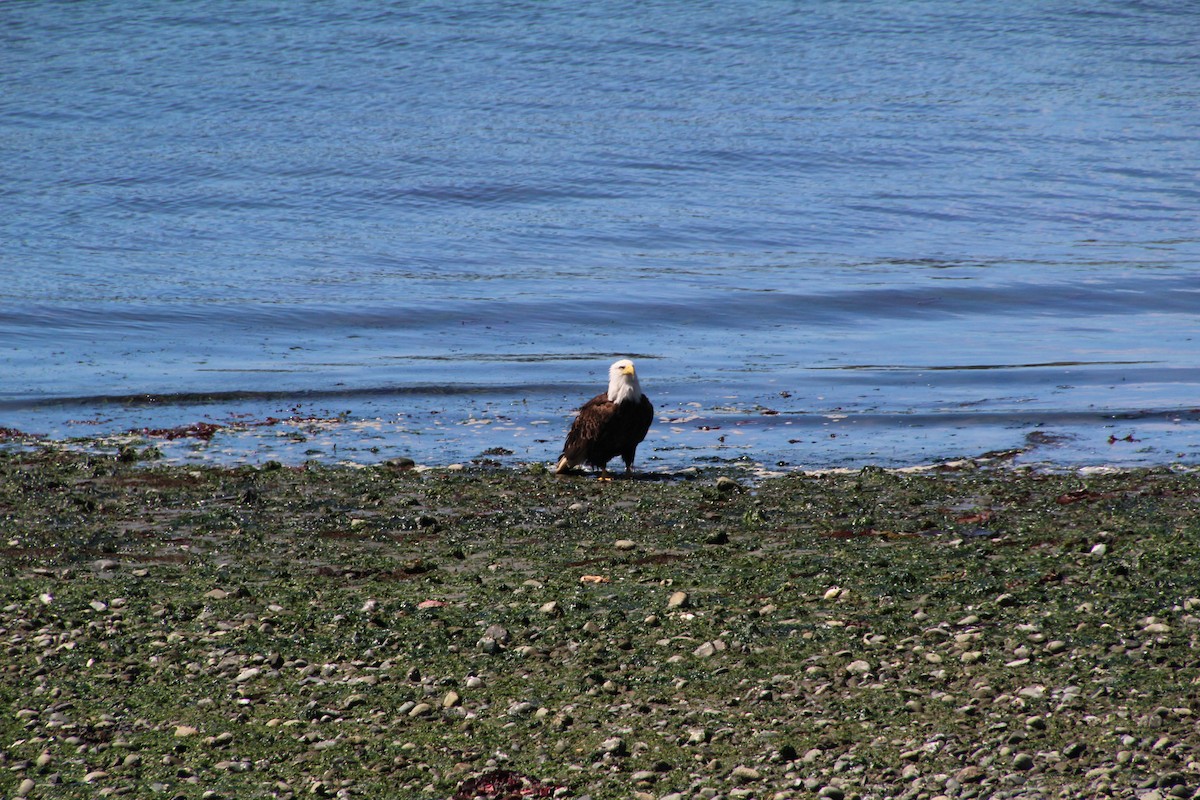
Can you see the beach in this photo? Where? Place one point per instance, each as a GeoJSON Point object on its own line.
{"type": "Point", "coordinates": [968, 630]}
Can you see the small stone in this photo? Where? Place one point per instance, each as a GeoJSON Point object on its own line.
{"type": "Point", "coordinates": [106, 565]}
{"type": "Point", "coordinates": [725, 485]}
{"type": "Point", "coordinates": [216, 594]}
{"type": "Point", "coordinates": [26, 788]}
{"type": "Point", "coordinates": [1099, 550]}
{"type": "Point", "coordinates": [421, 710]}
{"type": "Point", "coordinates": [521, 709]}
{"type": "Point", "coordinates": [353, 701]}
{"type": "Point", "coordinates": [1056, 646]}
{"type": "Point", "coordinates": [971, 774]}
{"type": "Point", "coordinates": [451, 700]}
{"type": "Point", "coordinates": [247, 675]}
{"type": "Point", "coordinates": [644, 776]}
{"type": "Point", "coordinates": [44, 760]}
{"type": "Point", "coordinates": [1074, 750]}
{"type": "Point", "coordinates": [717, 537]}
{"type": "Point", "coordinates": [1023, 761]}
{"type": "Point", "coordinates": [497, 632]}
{"type": "Point", "coordinates": [858, 667]}
{"type": "Point", "coordinates": [94, 776]}
{"type": "Point", "coordinates": [183, 731]}
{"type": "Point", "coordinates": [831, 793]}
{"type": "Point", "coordinates": [971, 657]}
{"type": "Point", "coordinates": [678, 600]}
{"type": "Point", "coordinates": [551, 609]}
{"type": "Point", "coordinates": [743, 774]}
{"type": "Point", "coordinates": [625, 544]}
{"type": "Point", "coordinates": [614, 747]}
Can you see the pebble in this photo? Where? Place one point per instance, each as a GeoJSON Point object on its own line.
{"type": "Point", "coordinates": [182, 731]}
{"type": "Point", "coordinates": [625, 544]}
{"type": "Point", "coordinates": [1023, 761]}
{"type": "Point", "coordinates": [421, 710]}
{"type": "Point", "coordinates": [858, 667]}
{"type": "Point", "coordinates": [831, 793]}
{"type": "Point", "coordinates": [451, 700]}
{"type": "Point", "coordinates": [497, 632]}
{"type": "Point", "coordinates": [678, 600]}
{"type": "Point", "coordinates": [709, 648]}
{"type": "Point", "coordinates": [27, 786]}
{"type": "Point", "coordinates": [742, 774]}
{"type": "Point", "coordinates": [725, 484]}
{"type": "Point", "coordinates": [551, 609]}
{"type": "Point", "coordinates": [521, 709]}
{"type": "Point", "coordinates": [614, 747]}
{"type": "Point", "coordinates": [247, 675]}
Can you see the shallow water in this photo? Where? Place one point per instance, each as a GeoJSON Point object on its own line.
{"type": "Point", "coordinates": [829, 235]}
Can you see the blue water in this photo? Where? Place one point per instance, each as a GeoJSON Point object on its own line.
{"type": "Point", "coordinates": [830, 233]}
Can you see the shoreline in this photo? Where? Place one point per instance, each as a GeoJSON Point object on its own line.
{"type": "Point", "coordinates": [320, 630]}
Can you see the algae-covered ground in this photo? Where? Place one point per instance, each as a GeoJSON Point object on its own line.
{"type": "Point", "coordinates": [389, 632]}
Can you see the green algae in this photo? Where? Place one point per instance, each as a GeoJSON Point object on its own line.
{"type": "Point", "coordinates": [374, 632]}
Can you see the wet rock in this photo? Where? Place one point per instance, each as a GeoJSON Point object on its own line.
{"type": "Point", "coordinates": [727, 485]}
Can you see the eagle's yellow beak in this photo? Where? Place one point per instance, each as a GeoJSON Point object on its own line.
{"type": "Point", "coordinates": [628, 370]}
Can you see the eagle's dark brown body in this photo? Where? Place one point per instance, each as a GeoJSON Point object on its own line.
{"type": "Point", "coordinates": [604, 430]}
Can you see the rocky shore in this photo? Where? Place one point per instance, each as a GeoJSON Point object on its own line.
{"type": "Point", "coordinates": [318, 631]}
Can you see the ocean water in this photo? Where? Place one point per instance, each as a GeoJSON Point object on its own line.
{"type": "Point", "coordinates": [829, 233]}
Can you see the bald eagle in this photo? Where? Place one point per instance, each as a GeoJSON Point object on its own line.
{"type": "Point", "coordinates": [612, 423]}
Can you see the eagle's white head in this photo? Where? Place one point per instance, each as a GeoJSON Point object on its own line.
{"type": "Point", "coordinates": [623, 382]}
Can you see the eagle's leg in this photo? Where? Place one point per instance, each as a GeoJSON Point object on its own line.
{"type": "Point", "coordinates": [604, 475]}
